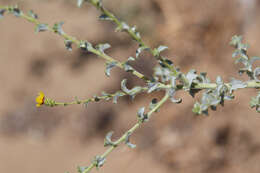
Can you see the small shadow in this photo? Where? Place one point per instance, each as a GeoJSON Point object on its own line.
{"type": "Point", "coordinates": [29, 121]}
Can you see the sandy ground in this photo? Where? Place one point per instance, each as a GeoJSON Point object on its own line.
{"type": "Point", "coordinates": [175, 140]}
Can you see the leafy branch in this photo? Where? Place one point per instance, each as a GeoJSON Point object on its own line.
{"type": "Point", "coordinates": [142, 117]}
{"type": "Point", "coordinates": [167, 77]}
{"type": "Point", "coordinates": [69, 40]}
{"type": "Point", "coordinates": [135, 35]}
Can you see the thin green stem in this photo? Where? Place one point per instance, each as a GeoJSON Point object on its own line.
{"type": "Point", "coordinates": [85, 101]}
{"type": "Point", "coordinates": [137, 38]}
{"type": "Point", "coordinates": [199, 86]}
{"type": "Point", "coordinates": [77, 42]}
{"type": "Point", "coordinates": [249, 84]}
{"type": "Point", "coordinates": [131, 130]}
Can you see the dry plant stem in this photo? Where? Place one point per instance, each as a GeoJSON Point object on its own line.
{"type": "Point", "coordinates": [123, 137]}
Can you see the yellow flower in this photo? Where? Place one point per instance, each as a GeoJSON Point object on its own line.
{"type": "Point", "coordinates": [40, 99]}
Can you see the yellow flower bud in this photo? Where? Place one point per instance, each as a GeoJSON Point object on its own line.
{"type": "Point", "coordinates": [40, 99]}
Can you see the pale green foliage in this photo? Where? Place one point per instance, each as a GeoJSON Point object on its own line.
{"type": "Point", "coordinates": [166, 77]}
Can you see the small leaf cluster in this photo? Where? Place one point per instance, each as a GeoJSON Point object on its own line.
{"type": "Point", "coordinates": [213, 97]}
{"type": "Point", "coordinates": [241, 56]}
{"type": "Point", "coordinates": [255, 102]}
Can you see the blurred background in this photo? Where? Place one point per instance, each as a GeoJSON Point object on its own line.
{"type": "Point", "coordinates": [175, 140]}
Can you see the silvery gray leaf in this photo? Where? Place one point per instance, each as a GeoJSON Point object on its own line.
{"type": "Point", "coordinates": [128, 68]}
{"type": "Point", "coordinates": [173, 81]}
{"type": "Point", "coordinates": [99, 161]}
{"type": "Point", "coordinates": [131, 92]}
{"type": "Point", "coordinates": [162, 48]}
{"type": "Point", "coordinates": [85, 46]}
{"type": "Point", "coordinates": [109, 66]}
{"type": "Point", "coordinates": [123, 27]}
{"type": "Point", "coordinates": [203, 77]}
{"type": "Point", "coordinates": [219, 80]}
{"type": "Point", "coordinates": [103, 47]}
{"type": "Point", "coordinates": [131, 59]}
{"type": "Point", "coordinates": [79, 2]}
{"type": "Point", "coordinates": [237, 84]}
{"type": "Point", "coordinates": [140, 112]}
{"type": "Point", "coordinates": [138, 51]}
{"type": "Point", "coordinates": [81, 169]}
{"type": "Point", "coordinates": [127, 141]}
{"type": "Point", "coordinates": [108, 141]}
{"type": "Point", "coordinates": [123, 86]}
{"type": "Point", "coordinates": [256, 74]}
{"type": "Point", "coordinates": [191, 76]}
{"type": "Point", "coordinates": [235, 40]}
{"type": "Point", "coordinates": [172, 92]}
{"type": "Point", "coordinates": [117, 95]}
{"type": "Point", "coordinates": [58, 28]}
{"type": "Point", "coordinates": [41, 27]}
{"type": "Point", "coordinates": [152, 87]}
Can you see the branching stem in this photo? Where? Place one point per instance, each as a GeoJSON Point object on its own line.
{"type": "Point", "coordinates": [131, 130]}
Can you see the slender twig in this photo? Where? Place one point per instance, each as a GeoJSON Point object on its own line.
{"type": "Point", "coordinates": [78, 42]}
{"type": "Point", "coordinates": [186, 84]}
{"type": "Point", "coordinates": [250, 84]}
{"type": "Point", "coordinates": [137, 38]}
{"type": "Point", "coordinates": [130, 131]}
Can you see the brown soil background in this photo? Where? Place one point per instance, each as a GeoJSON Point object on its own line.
{"type": "Point", "coordinates": [175, 140]}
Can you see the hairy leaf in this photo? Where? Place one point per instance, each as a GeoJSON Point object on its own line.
{"type": "Point", "coordinates": [237, 84]}
{"type": "Point", "coordinates": [109, 66]}
{"type": "Point", "coordinates": [57, 28]}
{"type": "Point", "coordinates": [139, 50]}
{"type": "Point", "coordinates": [127, 141]}
{"type": "Point", "coordinates": [142, 117]}
{"type": "Point", "coordinates": [171, 92]}
{"type": "Point", "coordinates": [132, 92]}
{"type": "Point", "coordinates": [103, 47]}
{"type": "Point", "coordinates": [256, 74]}
{"type": "Point", "coordinates": [152, 87]}
{"type": "Point", "coordinates": [99, 161]}
{"type": "Point", "coordinates": [41, 27]}
{"type": "Point", "coordinates": [81, 169]}
{"type": "Point", "coordinates": [108, 141]}
{"type": "Point", "coordinates": [85, 46]}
